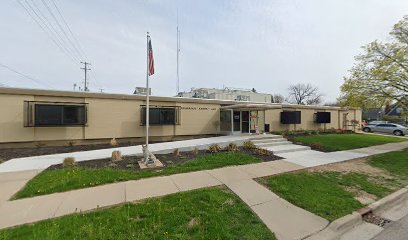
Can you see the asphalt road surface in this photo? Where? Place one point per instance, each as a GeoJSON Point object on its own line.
{"type": "Point", "coordinates": [395, 231]}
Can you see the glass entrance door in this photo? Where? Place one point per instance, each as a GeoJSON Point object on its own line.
{"type": "Point", "coordinates": [236, 121]}
{"type": "Point", "coordinates": [245, 121]}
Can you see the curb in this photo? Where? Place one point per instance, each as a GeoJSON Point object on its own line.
{"type": "Point", "coordinates": [344, 224]}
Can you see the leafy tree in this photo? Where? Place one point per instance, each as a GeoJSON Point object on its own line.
{"type": "Point", "coordinates": [304, 94]}
{"type": "Point", "coordinates": [380, 74]}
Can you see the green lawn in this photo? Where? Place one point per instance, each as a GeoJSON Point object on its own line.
{"type": "Point", "coordinates": [74, 178]}
{"type": "Point", "coordinates": [395, 163]}
{"type": "Point", "coordinates": [339, 142]}
{"type": "Point", "coordinates": [324, 193]}
{"type": "Point", "coordinates": [212, 213]}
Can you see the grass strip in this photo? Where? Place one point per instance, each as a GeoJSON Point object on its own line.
{"type": "Point", "coordinates": [340, 142]}
{"type": "Point", "coordinates": [66, 179]}
{"type": "Point", "coordinates": [212, 213]}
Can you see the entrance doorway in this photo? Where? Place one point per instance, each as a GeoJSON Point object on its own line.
{"type": "Point", "coordinates": [245, 121]}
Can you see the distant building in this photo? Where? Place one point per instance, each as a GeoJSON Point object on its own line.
{"type": "Point", "coordinates": [232, 94]}
{"type": "Point", "coordinates": [142, 91]}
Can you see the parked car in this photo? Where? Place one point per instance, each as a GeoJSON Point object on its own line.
{"type": "Point", "coordinates": [393, 128]}
{"type": "Point", "coordinates": [376, 122]}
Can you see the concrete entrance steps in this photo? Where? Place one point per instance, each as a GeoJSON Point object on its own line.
{"type": "Point", "coordinates": [277, 144]}
{"type": "Point", "coordinates": [274, 143]}
{"type": "Point", "coordinates": [287, 148]}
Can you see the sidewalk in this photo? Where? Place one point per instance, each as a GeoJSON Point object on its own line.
{"type": "Point", "coordinates": [43, 162]}
{"type": "Point", "coordinates": [284, 219]}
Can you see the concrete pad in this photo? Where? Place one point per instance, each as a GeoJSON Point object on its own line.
{"type": "Point", "coordinates": [92, 198]}
{"type": "Point", "coordinates": [8, 189]}
{"type": "Point", "coordinates": [229, 174]}
{"type": "Point", "coordinates": [364, 231]}
{"type": "Point", "coordinates": [30, 210]}
{"type": "Point", "coordinates": [17, 176]}
{"type": "Point", "coordinates": [194, 180]}
{"type": "Point", "coordinates": [150, 187]}
{"type": "Point", "coordinates": [288, 221]}
{"type": "Point", "coordinates": [251, 192]}
{"type": "Point", "coordinates": [258, 170]}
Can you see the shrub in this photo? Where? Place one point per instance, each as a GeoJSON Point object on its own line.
{"type": "Point", "coordinates": [176, 152]}
{"type": "Point", "coordinates": [232, 147]}
{"type": "Point", "coordinates": [249, 145]}
{"type": "Point", "coordinates": [71, 143]}
{"type": "Point", "coordinates": [113, 142]}
{"type": "Point", "coordinates": [68, 162]}
{"type": "Point", "coordinates": [116, 156]}
{"type": "Point", "coordinates": [262, 152]}
{"type": "Point", "coordinates": [195, 151]}
{"type": "Point", "coordinates": [316, 146]}
{"type": "Point", "coordinates": [214, 148]}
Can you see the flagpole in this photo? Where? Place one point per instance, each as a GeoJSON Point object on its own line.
{"type": "Point", "coordinates": [147, 95]}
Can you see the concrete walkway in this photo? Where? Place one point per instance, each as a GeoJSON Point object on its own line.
{"type": "Point", "coordinates": [284, 219]}
{"type": "Point", "coordinates": [43, 162]}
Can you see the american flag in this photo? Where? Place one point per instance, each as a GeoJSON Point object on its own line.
{"type": "Point", "coordinates": [151, 60]}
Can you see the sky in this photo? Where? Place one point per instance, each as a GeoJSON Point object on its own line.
{"type": "Point", "coordinates": [263, 44]}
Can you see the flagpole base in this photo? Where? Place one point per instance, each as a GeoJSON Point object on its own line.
{"type": "Point", "coordinates": [149, 160]}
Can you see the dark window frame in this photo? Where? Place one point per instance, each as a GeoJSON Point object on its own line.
{"type": "Point", "coordinates": [318, 119]}
{"type": "Point", "coordinates": [297, 116]}
{"type": "Point", "coordinates": [160, 118]}
{"type": "Point", "coordinates": [32, 114]}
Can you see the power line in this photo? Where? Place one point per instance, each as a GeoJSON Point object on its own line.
{"type": "Point", "coordinates": [49, 32]}
{"type": "Point", "coordinates": [26, 76]}
{"type": "Point", "coordinates": [62, 30]}
{"type": "Point", "coordinates": [69, 29]}
{"type": "Point", "coordinates": [47, 22]}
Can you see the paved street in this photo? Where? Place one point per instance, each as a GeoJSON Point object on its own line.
{"type": "Point", "coordinates": [395, 231]}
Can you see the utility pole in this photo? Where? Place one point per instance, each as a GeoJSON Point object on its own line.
{"type": "Point", "coordinates": [178, 53]}
{"type": "Point", "coordinates": [86, 69]}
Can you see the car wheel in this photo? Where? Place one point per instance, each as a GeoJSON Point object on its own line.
{"type": "Point", "coordinates": [397, 133]}
{"type": "Point", "coordinates": [366, 129]}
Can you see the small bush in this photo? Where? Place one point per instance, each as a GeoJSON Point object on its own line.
{"type": "Point", "coordinates": [113, 142]}
{"type": "Point", "coordinates": [249, 145]}
{"type": "Point", "coordinates": [71, 143]}
{"type": "Point", "coordinates": [316, 146]}
{"type": "Point", "coordinates": [262, 152]}
{"type": "Point", "coordinates": [68, 162]}
{"type": "Point", "coordinates": [195, 151]}
{"type": "Point", "coordinates": [116, 156]}
{"type": "Point", "coordinates": [176, 152]}
{"type": "Point", "coordinates": [232, 147]}
{"type": "Point", "coordinates": [213, 148]}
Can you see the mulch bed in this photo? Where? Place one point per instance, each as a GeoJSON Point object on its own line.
{"type": "Point", "coordinates": [10, 153]}
{"type": "Point", "coordinates": [131, 162]}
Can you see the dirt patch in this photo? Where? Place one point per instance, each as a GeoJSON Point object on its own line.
{"type": "Point", "coordinates": [376, 175]}
{"type": "Point", "coordinates": [193, 222]}
{"type": "Point", "coordinates": [358, 166]}
{"type": "Point", "coordinates": [361, 196]}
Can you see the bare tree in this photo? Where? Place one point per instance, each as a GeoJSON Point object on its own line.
{"type": "Point", "coordinates": [278, 98]}
{"type": "Point", "coordinates": [304, 94]}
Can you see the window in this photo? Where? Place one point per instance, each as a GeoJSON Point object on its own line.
{"type": "Point", "coordinates": [59, 115]}
{"type": "Point", "coordinates": [322, 117]}
{"type": "Point", "coordinates": [160, 116]}
{"type": "Point", "coordinates": [293, 117]}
